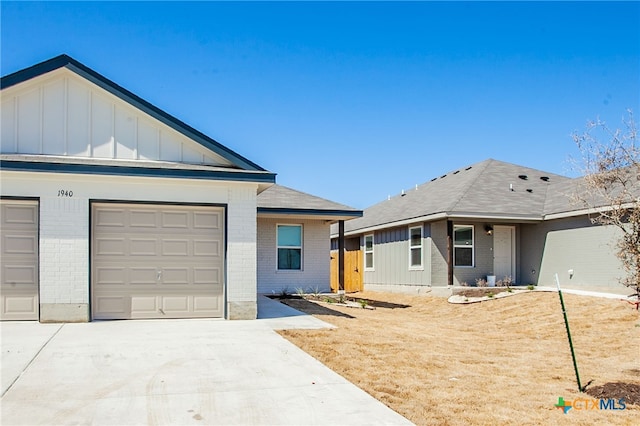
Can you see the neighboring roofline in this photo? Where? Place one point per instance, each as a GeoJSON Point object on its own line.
{"type": "Point", "coordinates": [65, 61]}
{"type": "Point", "coordinates": [588, 211]}
{"type": "Point", "coordinates": [336, 214]}
{"type": "Point", "coordinates": [101, 169]}
{"type": "Point", "coordinates": [445, 215]}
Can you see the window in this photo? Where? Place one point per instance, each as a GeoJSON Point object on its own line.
{"type": "Point", "coordinates": [463, 245]}
{"type": "Point", "coordinates": [290, 247]}
{"type": "Point", "coordinates": [415, 247]}
{"type": "Point", "coordinates": [368, 252]}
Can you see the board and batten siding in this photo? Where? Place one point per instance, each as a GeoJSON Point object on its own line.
{"type": "Point", "coordinates": [560, 245]}
{"type": "Point", "coordinates": [315, 257]}
{"type": "Point", "coordinates": [63, 114]}
{"type": "Point", "coordinates": [391, 261]}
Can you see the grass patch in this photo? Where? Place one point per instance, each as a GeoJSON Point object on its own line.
{"type": "Point", "coordinates": [486, 363]}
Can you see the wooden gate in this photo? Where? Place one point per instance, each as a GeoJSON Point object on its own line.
{"type": "Point", "coordinates": [352, 271]}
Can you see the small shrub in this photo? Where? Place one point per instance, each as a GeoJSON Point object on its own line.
{"type": "Point", "coordinates": [481, 282]}
{"type": "Point", "coordinates": [507, 281]}
{"type": "Point", "coordinates": [300, 291]}
{"type": "Point", "coordinates": [530, 287]}
{"type": "Point", "coordinates": [328, 300]}
{"type": "Point", "coordinates": [363, 303]}
{"type": "Point", "coordinates": [490, 294]}
{"type": "Point", "coordinates": [316, 291]}
{"type": "Point", "coordinates": [466, 299]}
{"type": "Point", "coordinates": [284, 292]}
{"type": "Point", "coordinates": [464, 284]}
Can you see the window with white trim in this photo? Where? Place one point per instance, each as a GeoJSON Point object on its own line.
{"type": "Point", "coordinates": [289, 242]}
{"type": "Point", "coordinates": [415, 247]}
{"type": "Point", "coordinates": [368, 252]}
{"type": "Point", "coordinates": [463, 254]}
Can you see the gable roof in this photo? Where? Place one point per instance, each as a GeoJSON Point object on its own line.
{"type": "Point", "coordinates": [64, 61]}
{"type": "Point", "coordinates": [280, 200]}
{"type": "Point", "coordinates": [490, 189]}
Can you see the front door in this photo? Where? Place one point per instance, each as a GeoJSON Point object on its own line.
{"type": "Point", "coordinates": [504, 264]}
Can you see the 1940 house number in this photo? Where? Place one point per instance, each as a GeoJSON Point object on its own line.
{"type": "Point", "coordinates": [65, 193]}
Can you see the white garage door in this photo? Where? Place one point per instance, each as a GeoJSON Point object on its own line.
{"type": "Point", "coordinates": [157, 261]}
{"type": "Point", "coordinates": [19, 260]}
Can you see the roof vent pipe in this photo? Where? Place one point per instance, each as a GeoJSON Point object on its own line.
{"type": "Point", "coordinates": [510, 187]}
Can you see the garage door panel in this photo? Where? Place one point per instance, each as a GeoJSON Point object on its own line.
{"type": "Point", "coordinates": [175, 220]}
{"type": "Point", "coordinates": [175, 247]}
{"type": "Point", "coordinates": [110, 247]}
{"type": "Point", "coordinates": [207, 304]}
{"type": "Point", "coordinates": [175, 276]}
{"type": "Point", "coordinates": [144, 306]}
{"type": "Point", "coordinates": [161, 261]}
{"type": "Point", "coordinates": [206, 248]}
{"type": "Point", "coordinates": [207, 276]}
{"type": "Point", "coordinates": [19, 275]}
{"type": "Point", "coordinates": [143, 247]}
{"type": "Point", "coordinates": [143, 276]}
{"type": "Point", "coordinates": [143, 219]}
{"type": "Point", "coordinates": [204, 220]}
{"type": "Point", "coordinates": [114, 275]}
{"type": "Point", "coordinates": [20, 244]}
{"type": "Point", "coordinates": [109, 218]}
{"type": "Point", "coordinates": [19, 260]}
{"type": "Point", "coordinates": [20, 216]}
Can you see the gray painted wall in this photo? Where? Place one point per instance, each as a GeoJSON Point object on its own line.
{"type": "Point", "coordinates": [391, 258]}
{"type": "Point", "coordinates": [557, 246]}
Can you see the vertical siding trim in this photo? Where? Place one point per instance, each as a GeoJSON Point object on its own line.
{"type": "Point", "coordinates": [41, 119]}
{"type": "Point", "coordinates": [90, 126]}
{"type": "Point", "coordinates": [65, 114]}
{"type": "Point", "coordinates": [135, 138]}
{"type": "Point", "coordinates": [113, 131]}
{"type": "Point", "coordinates": [15, 124]}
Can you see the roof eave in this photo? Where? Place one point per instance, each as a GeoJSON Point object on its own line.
{"type": "Point", "coordinates": [330, 215]}
{"type": "Point", "coordinates": [93, 169]}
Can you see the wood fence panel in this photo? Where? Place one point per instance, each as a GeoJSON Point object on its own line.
{"type": "Point", "coordinates": [352, 271]}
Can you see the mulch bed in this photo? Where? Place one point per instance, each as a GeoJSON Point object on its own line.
{"type": "Point", "coordinates": [618, 390]}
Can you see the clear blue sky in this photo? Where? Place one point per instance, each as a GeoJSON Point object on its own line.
{"type": "Point", "coordinates": [356, 101]}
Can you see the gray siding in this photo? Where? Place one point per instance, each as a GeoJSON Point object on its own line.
{"type": "Point", "coordinates": [483, 256]}
{"type": "Point", "coordinates": [559, 245]}
{"type": "Point", "coordinates": [391, 259]}
{"type": "Point", "coordinates": [439, 253]}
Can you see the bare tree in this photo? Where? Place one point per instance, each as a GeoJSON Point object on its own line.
{"type": "Point", "coordinates": [610, 188]}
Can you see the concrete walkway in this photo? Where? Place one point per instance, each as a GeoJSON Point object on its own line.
{"type": "Point", "coordinates": [175, 372]}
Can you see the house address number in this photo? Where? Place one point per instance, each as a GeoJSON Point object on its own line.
{"type": "Point", "coordinates": [65, 193]}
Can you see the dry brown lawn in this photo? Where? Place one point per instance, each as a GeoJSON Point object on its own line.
{"type": "Point", "coordinates": [503, 361]}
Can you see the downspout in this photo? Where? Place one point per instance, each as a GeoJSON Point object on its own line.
{"type": "Point", "coordinates": [449, 252]}
{"type": "Point", "coordinates": [341, 256]}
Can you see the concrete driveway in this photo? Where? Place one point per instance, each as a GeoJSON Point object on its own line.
{"type": "Point", "coordinates": [175, 372]}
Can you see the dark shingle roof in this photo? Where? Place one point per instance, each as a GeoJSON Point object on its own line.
{"type": "Point", "coordinates": [279, 199]}
{"type": "Point", "coordinates": [490, 188]}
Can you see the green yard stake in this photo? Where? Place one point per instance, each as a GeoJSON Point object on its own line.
{"type": "Point", "coordinates": [566, 323]}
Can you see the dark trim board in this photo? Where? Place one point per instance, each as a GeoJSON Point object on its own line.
{"type": "Point", "coordinates": [90, 169]}
{"type": "Point", "coordinates": [314, 212]}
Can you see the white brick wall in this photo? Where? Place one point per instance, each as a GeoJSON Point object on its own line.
{"type": "Point", "coordinates": [64, 225]}
{"type": "Point", "coordinates": [241, 245]}
{"type": "Point", "coordinates": [315, 257]}
{"type": "Point", "coordinates": [64, 250]}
